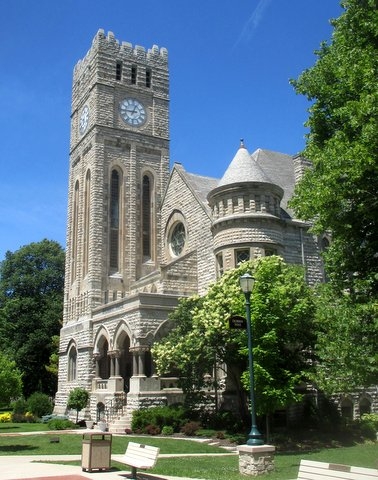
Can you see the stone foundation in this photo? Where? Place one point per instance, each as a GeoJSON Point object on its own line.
{"type": "Point", "coordinates": [256, 460]}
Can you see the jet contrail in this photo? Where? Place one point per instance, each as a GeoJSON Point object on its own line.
{"type": "Point", "coordinates": [253, 22]}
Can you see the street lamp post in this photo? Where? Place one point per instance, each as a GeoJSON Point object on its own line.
{"type": "Point", "coordinates": [246, 284]}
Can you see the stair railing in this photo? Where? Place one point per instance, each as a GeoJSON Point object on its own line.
{"type": "Point", "coordinates": [114, 406]}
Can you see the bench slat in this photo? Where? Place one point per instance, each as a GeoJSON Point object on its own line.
{"type": "Point", "coordinates": [310, 470]}
{"type": "Point", "coordinates": [140, 456]}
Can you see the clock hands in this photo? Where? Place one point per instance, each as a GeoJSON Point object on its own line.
{"type": "Point", "coordinates": [132, 112]}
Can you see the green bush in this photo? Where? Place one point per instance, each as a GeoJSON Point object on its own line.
{"type": "Point", "coordinates": [224, 420]}
{"type": "Point", "coordinates": [369, 425]}
{"type": "Point", "coordinates": [159, 417]}
{"type": "Point", "coordinates": [60, 424]}
{"type": "Point", "coordinates": [19, 406]}
{"type": "Point", "coordinates": [39, 404]}
{"type": "Point", "coordinates": [167, 430]}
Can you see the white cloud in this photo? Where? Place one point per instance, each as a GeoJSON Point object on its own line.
{"type": "Point", "coordinates": [253, 22]}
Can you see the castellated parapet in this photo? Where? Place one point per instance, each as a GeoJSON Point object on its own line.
{"type": "Point", "coordinates": [99, 63]}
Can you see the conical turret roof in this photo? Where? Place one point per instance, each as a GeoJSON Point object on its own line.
{"type": "Point", "coordinates": [243, 168]}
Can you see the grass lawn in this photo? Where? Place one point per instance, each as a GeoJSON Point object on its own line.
{"type": "Point", "coordinates": [210, 467]}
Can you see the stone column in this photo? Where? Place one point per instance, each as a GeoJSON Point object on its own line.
{"type": "Point", "coordinates": [114, 362]}
{"type": "Point", "coordinates": [96, 358]}
{"type": "Point", "coordinates": [256, 460]}
{"type": "Point", "coordinates": [141, 363]}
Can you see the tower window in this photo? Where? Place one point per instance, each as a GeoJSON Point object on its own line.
{"type": "Point", "coordinates": [75, 227]}
{"type": "Point", "coordinates": [118, 71]}
{"type": "Point", "coordinates": [220, 267]}
{"type": "Point", "coordinates": [72, 362]}
{"type": "Point", "coordinates": [133, 75]}
{"type": "Point", "coordinates": [241, 256]}
{"type": "Point", "coordinates": [148, 77]}
{"type": "Point", "coordinates": [87, 197]}
{"type": "Point", "coordinates": [146, 217]}
{"type": "Point", "coordinates": [114, 221]}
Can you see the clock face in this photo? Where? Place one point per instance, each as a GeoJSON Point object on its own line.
{"type": "Point", "coordinates": [132, 112]}
{"type": "Point", "coordinates": [84, 117]}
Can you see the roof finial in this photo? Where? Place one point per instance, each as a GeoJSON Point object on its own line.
{"type": "Point", "coordinates": [242, 143]}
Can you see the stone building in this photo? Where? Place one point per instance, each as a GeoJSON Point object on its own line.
{"type": "Point", "coordinates": [140, 236]}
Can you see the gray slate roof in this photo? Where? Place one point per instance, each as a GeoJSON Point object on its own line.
{"type": "Point", "coordinates": [262, 166]}
{"type": "Point", "coordinates": [280, 168]}
{"type": "Point", "coordinates": [243, 168]}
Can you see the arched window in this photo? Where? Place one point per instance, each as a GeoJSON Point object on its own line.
{"type": "Point", "coordinates": [74, 240]}
{"type": "Point", "coordinates": [114, 221]}
{"type": "Point", "coordinates": [147, 217]}
{"type": "Point", "coordinates": [347, 408]}
{"type": "Point", "coordinates": [365, 406]}
{"type": "Point", "coordinates": [72, 364]}
{"type": "Point", "coordinates": [86, 221]}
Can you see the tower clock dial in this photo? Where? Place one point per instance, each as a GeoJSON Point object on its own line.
{"type": "Point", "coordinates": [132, 112]}
{"type": "Point", "coordinates": [84, 117]}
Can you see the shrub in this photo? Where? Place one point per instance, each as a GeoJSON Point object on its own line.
{"type": "Point", "coordinates": [369, 425]}
{"type": "Point", "coordinates": [39, 404]}
{"type": "Point", "coordinates": [60, 424]}
{"type": "Point", "coordinates": [151, 430]}
{"type": "Point", "coordinates": [19, 406]}
{"type": "Point", "coordinates": [224, 420]}
{"type": "Point", "coordinates": [167, 430]}
{"type": "Point", "coordinates": [26, 417]}
{"type": "Point", "coordinates": [190, 428]}
{"type": "Point", "coordinates": [5, 417]}
{"type": "Point", "coordinates": [160, 417]}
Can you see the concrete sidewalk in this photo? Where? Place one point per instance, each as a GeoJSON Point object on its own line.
{"type": "Point", "coordinates": [16, 467]}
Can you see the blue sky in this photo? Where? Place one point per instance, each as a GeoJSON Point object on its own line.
{"type": "Point", "coordinates": [230, 65]}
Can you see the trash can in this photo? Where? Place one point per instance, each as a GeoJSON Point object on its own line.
{"type": "Point", "coordinates": [96, 451]}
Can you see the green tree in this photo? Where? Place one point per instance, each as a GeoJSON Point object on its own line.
{"type": "Point", "coordinates": [346, 345]}
{"type": "Point", "coordinates": [339, 194]}
{"type": "Point", "coordinates": [10, 380]}
{"type": "Point", "coordinates": [77, 400]}
{"type": "Point", "coordinates": [282, 317]}
{"type": "Point", "coordinates": [31, 303]}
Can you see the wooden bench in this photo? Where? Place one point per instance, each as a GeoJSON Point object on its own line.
{"type": "Point", "coordinates": [140, 456]}
{"type": "Point", "coordinates": [309, 470]}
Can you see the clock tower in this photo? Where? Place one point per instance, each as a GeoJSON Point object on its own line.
{"type": "Point", "coordinates": [119, 168]}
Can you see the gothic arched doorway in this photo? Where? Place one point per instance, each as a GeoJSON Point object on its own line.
{"type": "Point", "coordinates": [126, 359]}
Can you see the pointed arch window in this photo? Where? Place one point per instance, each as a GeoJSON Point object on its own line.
{"type": "Point", "coordinates": [72, 364]}
{"type": "Point", "coordinates": [147, 217]}
{"type": "Point", "coordinates": [114, 240]}
{"type": "Point", "coordinates": [87, 197]}
{"type": "Point", "coordinates": [74, 240]}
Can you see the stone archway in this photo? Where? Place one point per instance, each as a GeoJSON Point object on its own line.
{"type": "Point", "coordinates": [103, 362]}
{"type": "Point", "coordinates": [125, 358]}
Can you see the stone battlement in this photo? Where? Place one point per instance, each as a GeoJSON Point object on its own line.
{"type": "Point", "coordinates": [109, 43]}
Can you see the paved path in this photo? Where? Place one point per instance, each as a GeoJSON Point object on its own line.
{"type": "Point", "coordinates": [25, 467]}
{"type": "Point", "coordinates": [18, 467]}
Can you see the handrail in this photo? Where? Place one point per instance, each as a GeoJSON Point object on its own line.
{"type": "Point", "coordinates": [114, 406]}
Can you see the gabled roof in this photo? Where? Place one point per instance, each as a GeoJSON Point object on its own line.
{"type": "Point", "coordinates": [263, 166]}
{"type": "Point", "coordinates": [198, 184]}
{"type": "Point", "coordinates": [279, 168]}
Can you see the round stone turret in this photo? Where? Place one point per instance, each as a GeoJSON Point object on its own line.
{"type": "Point", "coordinates": [246, 218]}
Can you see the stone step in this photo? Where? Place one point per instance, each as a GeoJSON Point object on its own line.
{"type": "Point", "coordinates": [120, 424]}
